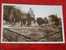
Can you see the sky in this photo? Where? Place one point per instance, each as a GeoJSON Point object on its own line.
{"type": "Point", "coordinates": [41, 10]}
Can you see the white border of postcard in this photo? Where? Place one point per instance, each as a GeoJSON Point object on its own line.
{"type": "Point", "coordinates": [30, 42]}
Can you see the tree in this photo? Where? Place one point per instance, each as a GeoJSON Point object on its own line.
{"type": "Point", "coordinates": [55, 19]}
{"type": "Point", "coordinates": [45, 20]}
{"type": "Point", "coordinates": [7, 12]}
{"type": "Point", "coordinates": [11, 10]}
{"type": "Point", "coordinates": [28, 19]}
{"type": "Point", "coordinates": [40, 21]}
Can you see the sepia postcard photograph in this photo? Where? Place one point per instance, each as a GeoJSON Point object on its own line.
{"type": "Point", "coordinates": [25, 23]}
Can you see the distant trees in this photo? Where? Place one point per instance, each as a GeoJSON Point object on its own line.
{"type": "Point", "coordinates": [45, 20]}
{"type": "Point", "coordinates": [17, 15]}
{"type": "Point", "coordinates": [7, 10]}
{"type": "Point", "coordinates": [54, 19]}
{"type": "Point", "coordinates": [40, 21]}
{"type": "Point", "coordinates": [12, 14]}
